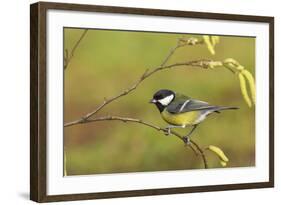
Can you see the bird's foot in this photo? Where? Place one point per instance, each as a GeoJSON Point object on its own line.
{"type": "Point", "coordinates": [167, 131]}
{"type": "Point", "coordinates": [186, 140]}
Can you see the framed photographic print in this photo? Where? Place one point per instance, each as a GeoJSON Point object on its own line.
{"type": "Point", "coordinates": [134, 102]}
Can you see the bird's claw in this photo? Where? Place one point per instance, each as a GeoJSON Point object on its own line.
{"type": "Point", "coordinates": [186, 140]}
{"type": "Point", "coordinates": [167, 131]}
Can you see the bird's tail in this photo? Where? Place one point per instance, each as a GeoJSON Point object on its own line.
{"type": "Point", "coordinates": [219, 108]}
{"type": "Point", "coordinates": [228, 108]}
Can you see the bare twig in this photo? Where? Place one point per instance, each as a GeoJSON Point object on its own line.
{"type": "Point", "coordinates": [87, 118]}
{"type": "Point", "coordinates": [68, 56]}
{"type": "Point", "coordinates": [133, 120]}
{"type": "Point", "coordinates": [172, 51]}
{"type": "Point", "coordinates": [198, 63]}
{"type": "Point", "coordinates": [181, 43]}
{"type": "Point", "coordinates": [201, 154]}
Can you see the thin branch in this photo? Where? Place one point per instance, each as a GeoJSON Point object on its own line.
{"type": "Point", "coordinates": [172, 51]}
{"type": "Point", "coordinates": [181, 43]}
{"type": "Point", "coordinates": [148, 73]}
{"type": "Point", "coordinates": [201, 154]}
{"type": "Point", "coordinates": [86, 118]}
{"type": "Point", "coordinates": [197, 63]}
{"type": "Point", "coordinates": [133, 120]}
{"type": "Point", "coordinates": [68, 56]}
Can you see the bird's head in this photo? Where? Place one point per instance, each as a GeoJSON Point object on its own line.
{"type": "Point", "coordinates": [163, 98]}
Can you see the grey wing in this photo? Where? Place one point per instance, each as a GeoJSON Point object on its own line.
{"type": "Point", "coordinates": [188, 105]}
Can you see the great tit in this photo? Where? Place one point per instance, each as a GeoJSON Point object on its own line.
{"type": "Point", "coordinates": [179, 110]}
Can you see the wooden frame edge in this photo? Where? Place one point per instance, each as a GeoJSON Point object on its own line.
{"type": "Point", "coordinates": [34, 171]}
{"type": "Point", "coordinates": [153, 192]}
{"type": "Point", "coordinates": [37, 102]}
{"type": "Point", "coordinates": [153, 12]}
{"type": "Point", "coordinates": [271, 100]}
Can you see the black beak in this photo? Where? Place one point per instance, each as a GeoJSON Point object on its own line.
{"type": "Point", "coordinates": [152, 101]}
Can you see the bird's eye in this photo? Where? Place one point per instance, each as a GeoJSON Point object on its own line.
{"type": "Point", "coordinates": [157, 97]}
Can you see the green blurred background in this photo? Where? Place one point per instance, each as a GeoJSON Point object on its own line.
{"type": "Point", "coordinates": [106, 62]}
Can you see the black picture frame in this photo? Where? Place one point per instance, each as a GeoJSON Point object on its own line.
{"type": "Point", "coordinates": [38, 36]}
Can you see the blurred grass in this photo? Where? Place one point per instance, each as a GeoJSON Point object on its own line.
{"type": "Point", "coordinates": [107, 62]}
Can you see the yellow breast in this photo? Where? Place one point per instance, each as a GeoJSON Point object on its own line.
{"type": "Point", "coordinates": [187, 118]}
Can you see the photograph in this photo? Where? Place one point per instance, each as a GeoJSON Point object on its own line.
{"type": "Point", "coordinates": [147, 101]}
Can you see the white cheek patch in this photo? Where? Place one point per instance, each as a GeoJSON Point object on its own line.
{"type": "Point", "coordinates": [167, 100]}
